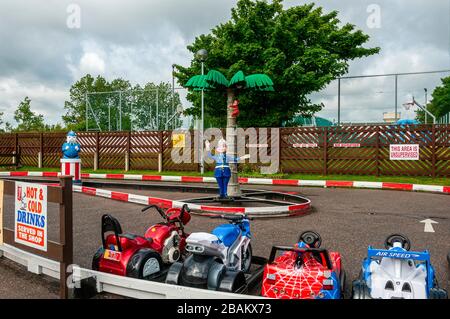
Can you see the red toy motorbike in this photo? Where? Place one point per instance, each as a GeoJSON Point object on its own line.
{"type": "Point", "coordinates": [143, 257]}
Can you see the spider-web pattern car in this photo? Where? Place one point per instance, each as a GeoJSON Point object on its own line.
{"type": "Point", "coordinates": [304, 271]}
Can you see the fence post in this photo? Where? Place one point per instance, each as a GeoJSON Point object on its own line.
{"type": "Point", "coordinates": [161, 152]}
{"type": "Point", "coordinates": [96, 154]}
{"type": "Point", "coordinates": [41, 150]}
{"type": "Point", "coordinates": [325, 150]}
{"type": "Point", "coordinates": [433, 151]}
{"type": "Point", "coordinates": [16, 149]}
{"type": "Point", "coordinates": [127, 154]}
{"type": "Point", "coordinates": [280, 141]}
{"type": "Point", "coordinates": [65, 234]}
{"type": "Point", "coordinates": [377, 145]}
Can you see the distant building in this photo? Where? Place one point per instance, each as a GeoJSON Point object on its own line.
{"type": "Point", "coordinates": [389, 117]}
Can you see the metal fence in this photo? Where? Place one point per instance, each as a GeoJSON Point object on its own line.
{"type": "Point", "coordinates": [360, 150]}
{"type": "Point", "coordinates": [445, 119]}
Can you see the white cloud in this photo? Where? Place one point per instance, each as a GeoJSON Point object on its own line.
{"type": "Point", "coordinates": [140, 40]}
{"type": "Point", "coordinates": [44, 100]}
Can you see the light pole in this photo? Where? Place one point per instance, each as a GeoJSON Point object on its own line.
{"type": "Point", "coordinates": [202, 55]}
{"type": "Point", "coordinates": [426, 102]}
{"type": "Point", "coordinates": [173, 91]}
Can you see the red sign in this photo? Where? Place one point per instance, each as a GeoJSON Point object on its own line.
{"type": "Point", "coordinates": [305, 145]}
{"type": "Point", "coordinates": [346, 145]}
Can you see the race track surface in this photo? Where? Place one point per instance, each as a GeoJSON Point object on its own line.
{"type": "Point", "coordinates": [348, 220]}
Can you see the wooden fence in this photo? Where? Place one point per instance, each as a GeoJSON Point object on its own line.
{"type": "Point", "coordinates": [356, 150]}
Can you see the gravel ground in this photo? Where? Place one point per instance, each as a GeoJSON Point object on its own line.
{"type": "Point", "coordinates": [348, 220]}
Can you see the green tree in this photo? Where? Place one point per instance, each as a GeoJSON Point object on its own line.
{"type": "Point", "coordinates": [103, 105]}
{"type": "Point", "coordinates": [440, 103]}
{"type": "Point", "coordinates": [26, 119]}
{"type": "Point", "coordinates": [150, 98]}
{"type": "Point", "coordinates": [118, 102]}
{"type": "Point", "coordinates": [300, 48]}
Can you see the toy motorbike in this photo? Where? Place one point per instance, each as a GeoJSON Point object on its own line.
{"type": "Point", "coordinates": [219, 260]}
{"type": "Point", "coordinates": [142, 257]}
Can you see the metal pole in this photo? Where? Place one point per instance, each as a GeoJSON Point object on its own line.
{"type": "Point", "coordinates": [120, 111]}
{"type": "Point", "coordinates": [426, 102]}
{"type": "Point", "coordinates": [396, 99]}
{"type": "Point", "coordinates": [202, 168]}
{"type": "Point", "coordinates": [157, 109]}
{"type": "Point", "coordinates": [87, 116]}
{"type": "Point", "coordinates": [109, 117]}
{"type": "Point", "coordinates": [339, 101]}
{"type": "Point", "coordinates": [86, 101]}
{"type": "Point", "coordinates": [131, 116]}
{"type": "Point", "coordinates": [173, 93]}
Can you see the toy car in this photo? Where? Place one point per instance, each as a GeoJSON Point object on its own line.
{"type": "Point", "coordinates": [219, 260]}
{"type": "Point", "coordinates": [397, 273]}
{"type": "Point", "coordinates": [142, 257]}
{"type": "Point", "coordinates": [304, 271]}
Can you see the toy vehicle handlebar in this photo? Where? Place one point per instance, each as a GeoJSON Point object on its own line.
{"type": "Point", "coordinates": [315, 251]}
{"type": "Point", "coordinates": [232, 217]}
{"type": "Point", "coordinates": [159, 209]}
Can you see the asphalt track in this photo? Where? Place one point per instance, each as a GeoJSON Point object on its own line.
{"type": "Point", "coordinates": [348, 220]}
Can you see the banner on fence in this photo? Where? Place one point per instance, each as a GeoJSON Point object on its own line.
{"type": "Point", "coordinates": [1, 212]}
{"type": "Point", "coordinates": [345, 145]}
{"type": "Point", "coordinates": [30, 226]}
{"type": "Point", "coordinates": [178, 140]}
{"type": "Point", "coordinates": [404, 152]}
{"type": "Point", "coordinates": [305, 145]}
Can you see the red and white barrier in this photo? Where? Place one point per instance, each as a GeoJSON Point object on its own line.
{"type": "Point", "coordinates": [270, 211]}
{"type": "Point", "coordinates": [250, 181]}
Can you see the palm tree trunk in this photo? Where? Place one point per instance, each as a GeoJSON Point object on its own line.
{"type": "Point", "coordinates": [234, 189]}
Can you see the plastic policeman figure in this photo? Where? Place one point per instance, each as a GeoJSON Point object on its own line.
{"type": "Point", "coordinates": [71, 148]}
{"type": "Point", "coordinates": [222, 171]}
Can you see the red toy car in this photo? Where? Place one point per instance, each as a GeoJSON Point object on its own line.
{"type": "Point", "coordinates": [142, 257]}
{"type": "Point", "coordinates": [304, 271]}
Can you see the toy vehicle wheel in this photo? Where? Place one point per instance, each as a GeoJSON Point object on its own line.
{"type": "Point", "coordinates": [144, 264]}
{"type": "Point", "coordinates": [360, 290]}
{"type": "Point", "coordinates": [173, 275]}
{"type": "Point", "coordinates": [96, 259]}
{"type": "Point", "coordinates": [215, 274]}
{"type": "Point", "coordinates": [391, 239]}
{"type": "Point", "coordinates": [246, 259]}
{"type": "Point", "coordinates": [233, 281]}
{"type": "Point", "coordinates": [342, 278]}
{"type": "Point", "coordinates": [311, 238]}
{"type": "Point", "coordinates": [437, 293]}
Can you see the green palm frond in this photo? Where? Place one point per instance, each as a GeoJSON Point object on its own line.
{"type": "Point", "coordinates": [259, 81]}
{"type": "Point", "coordinates": [216, 79]}
{"type": "Point", "coordinates": [237, 79]}
{"type": "Point", "coordinates": [197, 82]}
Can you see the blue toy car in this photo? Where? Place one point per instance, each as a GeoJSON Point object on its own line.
{"type": "Point", "coordinates": [397, 273]}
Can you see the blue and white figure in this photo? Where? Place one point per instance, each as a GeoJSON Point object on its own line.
{"type": "Point", "coordinates": [71, 147]}
{"type": "Point", "coordinates": [222, 171]}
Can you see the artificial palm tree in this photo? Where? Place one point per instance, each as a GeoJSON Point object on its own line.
{"type": "Point", "coordinates": [215, 80]}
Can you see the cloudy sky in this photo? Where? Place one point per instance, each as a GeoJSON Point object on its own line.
{"type": "Point", "coordinates": [42, 51]}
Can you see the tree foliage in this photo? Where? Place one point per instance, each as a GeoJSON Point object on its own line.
{"type": "Point", "coordinates": [300, 48]}
{"type": "Point", "coordinates": [136, 104]}
{"type": "Point", "coordinates": [27, 120]}
{"type": "Point", "coordinates": [440, 103]}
